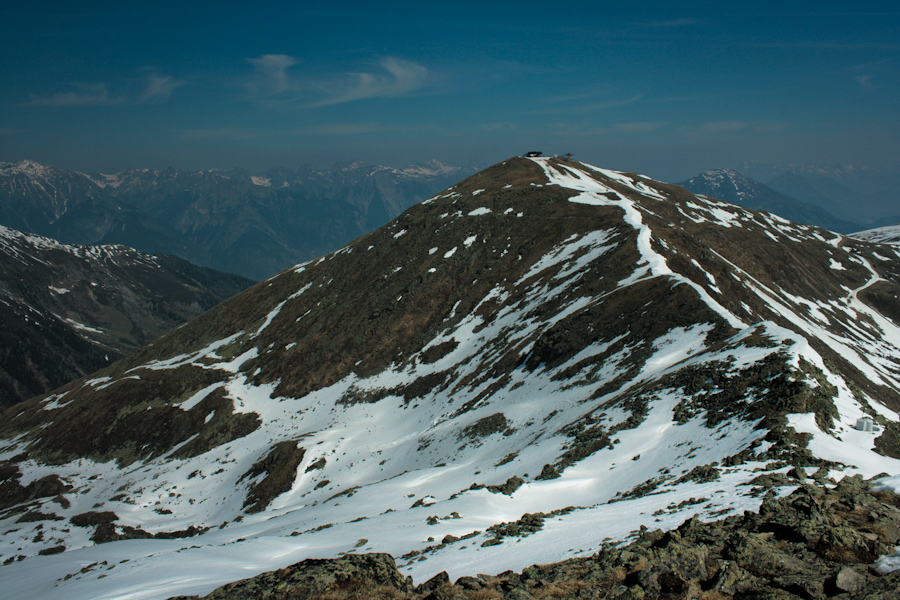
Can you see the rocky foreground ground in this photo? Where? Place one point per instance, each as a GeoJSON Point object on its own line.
{"type": "Point", "coordinates": [818, 542]}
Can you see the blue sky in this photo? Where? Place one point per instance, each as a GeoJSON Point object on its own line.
{"type": "Point", "coordinates": [667, 89]}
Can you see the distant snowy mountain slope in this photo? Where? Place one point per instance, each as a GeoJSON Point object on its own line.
{"type": "Point", "coordinates": [539, 359]}
{"type": "Point", "coordinates": [67, 311]}
{"type": "Point", "coordinates": [737, 188]}
{"type": "Point", "coordinates": [881, 235]}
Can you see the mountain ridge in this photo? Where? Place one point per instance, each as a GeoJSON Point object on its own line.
{"type": "Point", "coordinates": [542, 337]}
{"type": "Point", "coordinates": [70, 310]}
{"type": "Point", "coordinates": [230, 220]}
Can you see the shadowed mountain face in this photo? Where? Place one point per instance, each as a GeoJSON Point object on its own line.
{"type": "Point", "coordinates": [734, 187]}
{"type": "Point", "coordinates": [543, 337]}
{"type": "Point", "coordinates": [67, 311]}
{"type": "Point", "coordinates": [233, 221]}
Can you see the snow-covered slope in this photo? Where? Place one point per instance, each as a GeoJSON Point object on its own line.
{"type": "Point", "coordinates": [880, 235]}
{"type": "Point", "coordinates": [544, 337]}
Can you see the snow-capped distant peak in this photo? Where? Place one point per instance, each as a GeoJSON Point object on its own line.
{"type": "Point", "coordinates": [26, 167]}
{"type": "Point", "coordinates": [106, 181]}
{"type": "Point", "coordinates": [32, 166]}
{"type": "Point", "coordinates": [720, 176]}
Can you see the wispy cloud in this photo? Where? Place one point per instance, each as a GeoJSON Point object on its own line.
{"type": "Point", "coordinates": [639, 126]}
{"type": "Point", "coordinates": [344, 129]}
{"type": "Point", "coordinates": [821, 45]}
{"type": "Point", "coordinates": [865, 74]}
{"type": "Point", "coordinates": [156, 88]}
{"type": "Point", "coordinates": [567, 99]}
{"type": "Point", "coordinates": [220, 133]}
{"type": "Point", "coordinates": [84, 94]}
{"type": "Point", "coordinates": [500, 126]}
{"type": "Point", "coordinates": [613, 103]}
{"type": "Point", "coordinates": [275, 83]}
{"type": "Point", "coordinates": [672, 23]}
{"type": "Point", "coordinates": [399, 77]}
{"type": "Point", "coordinates": [559, 105]}
{"type": "Point", "coordinates": [271, 70]}
{"type": "Point", "coordinates": [572, 130]}
{"type": "Point", "coordinates": [865, 80]}
{"type": "Point", "coordinates": [724, 126]}
{"type": "Point", "coordinates": [769, 127]}
{"type": "Point", "coordinates": [576, 129]}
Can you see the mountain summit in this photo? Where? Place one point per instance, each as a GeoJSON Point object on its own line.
{"type": "Point", "coordinates": [541, 358]}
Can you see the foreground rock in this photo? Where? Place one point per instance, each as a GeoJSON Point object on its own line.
{"type": "Point", "coordinates": [815, 543]}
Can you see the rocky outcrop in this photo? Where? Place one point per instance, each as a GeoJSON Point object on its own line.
{"type": "Point", "coordinates": [816, 543]}
{"type": "Point", "coordinates": [352, 576]}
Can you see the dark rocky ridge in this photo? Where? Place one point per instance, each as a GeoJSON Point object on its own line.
{"type": "Point", "coordinates": [817, 543]}
{"type": "Point", "coordinates": [67, 311]}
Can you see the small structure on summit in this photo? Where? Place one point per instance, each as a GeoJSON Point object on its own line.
{"type": "Point", "coordinates": [532, 154]}
{"type": "Point", "coordinates": [866, 424]}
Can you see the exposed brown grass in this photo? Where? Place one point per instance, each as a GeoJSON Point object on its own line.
{"type": "Point", "coordinates": [486, 594]}
{"type": "Point", "coordinates": [559, 590]}
{"type": "Point", "coordinates": [360, 589]}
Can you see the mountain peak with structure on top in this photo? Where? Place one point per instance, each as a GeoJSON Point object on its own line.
{"type": "Point", "coordinates": [544, 337]}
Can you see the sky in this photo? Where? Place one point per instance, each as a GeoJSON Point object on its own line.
{"type": "Point", "coordinates": [666, 89]}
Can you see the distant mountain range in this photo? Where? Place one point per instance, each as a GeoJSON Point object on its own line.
{"type": "Point", "coordinates": [66, 311]}
{"type": "Point", "coordinates": [256, 224]}
{"type": "Point", "coordinates": [540, 362]}
{"type": "Point", "coordinates": [233, 221]}
{"type": "Point", "coordinates": [735, 187]}
{"type": "Point", "coordinates": [857, 193]}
